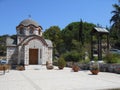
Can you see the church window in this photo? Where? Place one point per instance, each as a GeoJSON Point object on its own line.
{"type": "Point", "coordinates": [39, 32]}
{"type": "Point", "coordinates": [22, 31]}
{"type": "Point", "coordinates": [40, 53]}
{"type": "Point", "coordinates": [31, 31]}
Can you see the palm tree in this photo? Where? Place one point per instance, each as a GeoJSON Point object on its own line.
{"type": "Point", "coordinates": [115, 19]}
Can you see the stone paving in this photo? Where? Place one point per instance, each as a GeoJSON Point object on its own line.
{"type": "Point", "coordinates": [39, 78]}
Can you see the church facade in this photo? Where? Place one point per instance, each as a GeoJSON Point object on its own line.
{"type": "Point", "coordinates": [29, 47]}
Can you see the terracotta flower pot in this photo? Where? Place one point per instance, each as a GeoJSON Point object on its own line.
{"type": "Point", "coordinates": [94, 68]}
{"type": "Point", "coordinates": [60, 67]}
{"type": "Point", "coordinates": [75, 68]}
{"type": "Point", "coordinates": [20, 68]}
{"type": "Point", "coordinates": [94, 72]}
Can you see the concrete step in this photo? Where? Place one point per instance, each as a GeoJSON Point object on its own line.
{"type": "Point", "coordinates": [34, 67]}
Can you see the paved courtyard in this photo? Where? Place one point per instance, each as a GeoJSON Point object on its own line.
{"type": "Point", "coordinates": [39, 78]}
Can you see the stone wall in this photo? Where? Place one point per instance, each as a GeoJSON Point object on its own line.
{"type": "Point", "coordinates": [12, 55]}
{"type": "Point", "coordinates": [113, 68]}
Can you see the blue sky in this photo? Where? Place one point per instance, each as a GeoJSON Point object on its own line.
{"type": "Point", "coordinates": [53, 12]}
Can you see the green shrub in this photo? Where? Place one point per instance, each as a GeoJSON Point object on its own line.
{"type": "Point", "coordinates": [111, 58]}
{"type": "Point", "coordinates": [116, 57]}
{"type": "Point", "coordinates": [72, 56]}
{"type": "Point", "coordinates": [95, 58]}
{"type": "Point", "coordinates": [61, 63]}
{"type": "Point", "coordinates": [94, 66]}
{"type": "Point", "coordinates": [86, 61]}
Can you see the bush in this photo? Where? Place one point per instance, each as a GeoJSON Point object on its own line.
{"type": "Point", "coordinates": [94, 66]}
{"type": "Point", "coordinates": [86, 61]}
{"type": "Point", "coordinates": [72, 56]}
{"type": "Point", "coordinates": [111, 58]}
{"type": "Point", "coordinates": [61, 63]}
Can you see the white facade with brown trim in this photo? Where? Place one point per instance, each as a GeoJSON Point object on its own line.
{"type": "Point", "coordinates": [31, 47]}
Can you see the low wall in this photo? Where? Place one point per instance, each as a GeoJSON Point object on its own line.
{"type": "Point", "coordinates": [113, 68]}
{"type": "Point", "coordinates": [82, 66]}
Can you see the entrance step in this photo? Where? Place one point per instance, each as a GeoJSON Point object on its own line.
{"type": "Point", "coordinates": [35, 67]}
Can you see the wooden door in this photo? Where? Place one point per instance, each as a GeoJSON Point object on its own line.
{"type": "Point", "coordinates": [33, 56]}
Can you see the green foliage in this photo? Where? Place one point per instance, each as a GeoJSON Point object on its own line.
{"type": "Point", "coordinates": [115, 28]}
{"type": "Point", "coordinates": [72, 56]}
{"type": "Point", "coordinates": [112, 58]}
{"type": "Point", "coordinates": [73, 31]}
{"type": "Point", "coordinates": [86, 61]}
{"type": "Point", "coordinates": [94, 66]}
{"type": "Point", "coordinates": [54, 34]}
{"type": "Point", "coordinates": [3, 45]}
{"type": "Point", "coordinates": [71, 36]}
{"type": "Point", "coordinates": [61, 62]}
{"type": "Point", "coordinates": [75, 45]}
{"type": "Point", "coordinates": [116, 57]}
{"type": "Point", "coordinates": [95, 58]}
{"type": "Point", "coordinates": [67, 42]}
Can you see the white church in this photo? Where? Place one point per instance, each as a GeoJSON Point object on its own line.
{"type": "Point", "coordinates": [30, 48]}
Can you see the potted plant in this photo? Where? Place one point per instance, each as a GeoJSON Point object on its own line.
{"type": "Point", "coordinates": [20, 68]}
{"type": "Point", "coordinates": [74, 57]}
{"type": "Point", "coordinates": [49, 66]}
{"type": "Point", "coordinates": [94, 68]}
{"type": "Point", "coordinates": [61, 63]}
{"type": "Point", "coordinates": [75, 68]}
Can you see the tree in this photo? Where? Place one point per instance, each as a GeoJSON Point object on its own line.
{"type": "Point", "coordinates": [3, 45]}
{"type": "Point", "coordinates": [54, 34]}
{"type": "Point", "coordinates": [75, 34]}
{"type": "Point", "coordinates": [81, 35]}
{"type": "Point", "coordinates": [115, 20]}
{"type": "Point", "coordinates": [70, 33]}
{"type": "Point", "coordinates": [73, 56]}
{"type": "Point", "coordinates": [73, 40]}
{"type": "Point", "coordinates": [116, 16]}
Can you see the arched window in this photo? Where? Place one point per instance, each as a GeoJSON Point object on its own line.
{"type": "Point", "coordinates": [31, 30]}
{"type": "Point", "coordinates": [21, 31]}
